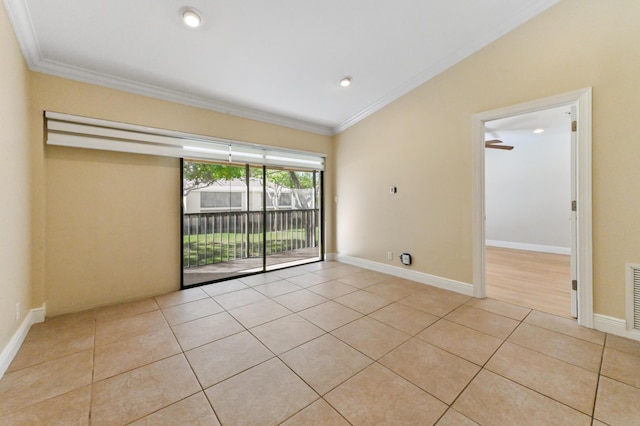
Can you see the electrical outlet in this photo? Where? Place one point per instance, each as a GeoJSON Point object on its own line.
{"type": "Point", "coordinates": [405, 258]}
{"type": "Point", "coordinates": [389, 255]}
{"type": "Point", "coordinates": [17, 311]}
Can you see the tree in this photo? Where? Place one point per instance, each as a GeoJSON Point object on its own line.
{"type": "Point", "coordinates": [296, 182]}
{"type": "Point", "coordinates": [200, 175]}
{"type": "Point", "coordinates": [301, 181]}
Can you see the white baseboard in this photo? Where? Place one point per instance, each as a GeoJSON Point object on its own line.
{"type": "Point", "coordinates": [529, 247]}
{"type": "Point", "coordinates": [603, 323]}
{"type": "Point", "coordinates": [9, 352]}
{"type": "Point", "coordinates": [615, 326]}
{"type": "Point", "coordinates": [421, 277]}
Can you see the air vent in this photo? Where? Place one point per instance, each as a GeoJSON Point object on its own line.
{"type": "Point", "coordinates": [633, 296]}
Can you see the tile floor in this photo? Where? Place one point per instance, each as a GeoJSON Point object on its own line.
{"type": "Point", "coordinates": [322, 344]}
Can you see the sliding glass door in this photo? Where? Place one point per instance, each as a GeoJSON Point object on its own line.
{"type": "Point", "coordinates": [292, 217]}
{"type": "Point", "coordinates": [240, 219]}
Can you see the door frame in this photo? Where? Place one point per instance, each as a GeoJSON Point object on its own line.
{"type": "Point", "coordinates": [582, 99]}
{"type": "Point", "coordinates": [319, 202]}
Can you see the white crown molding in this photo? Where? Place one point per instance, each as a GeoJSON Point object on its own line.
{"type": "Point", "coordinates": [20, 18]}
{"type": "Point", "coordinates": [21, 21]}
{"type": "Point", "coordinates": [130, 86]}
{"type": "Point", "coordinates": [447, 62]}
{"type": "Point", "coordinates": [422, 78]}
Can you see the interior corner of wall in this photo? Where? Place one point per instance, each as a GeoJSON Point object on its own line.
{"type": "Point", "coordinates": [8, 353]}
{"type": "Point", "coordinates": [38, 315]}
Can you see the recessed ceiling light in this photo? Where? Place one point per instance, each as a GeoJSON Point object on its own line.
{"type": "Point", "coordinates": [190, 17]}
{"type": "Point", "coordinates": [536, 131]}
{"type": "Point", "coordinates": [345, 81]}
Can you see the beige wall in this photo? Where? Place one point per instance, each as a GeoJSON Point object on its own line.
{"type": "Point", "coordinates": [15, 244]}
{"type": "Point", "coordinates": [422, 144]}
{"type": "Point", "coordinates": [111, 220]}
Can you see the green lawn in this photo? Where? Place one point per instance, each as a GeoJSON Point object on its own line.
{"type": "Point", "coordinates": [205, 249]}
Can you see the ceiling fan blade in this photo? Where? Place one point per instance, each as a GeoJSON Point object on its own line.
{"type": "Point", "coordinates": [505, 147]}
{"type": "Point", "coordinates": [493, 144]}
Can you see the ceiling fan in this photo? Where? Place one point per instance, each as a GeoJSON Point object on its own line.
{"type": "Point", "coordinates": [493, 143]}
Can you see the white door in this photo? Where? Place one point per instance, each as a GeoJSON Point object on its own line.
{"type": "Point", "coordinates": [574, 217]}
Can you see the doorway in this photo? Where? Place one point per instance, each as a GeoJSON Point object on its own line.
{"type": "Point", "coordinates": [242, 219]}
{"type": "Point", "coordinates": [581, 155]}
{"type": "Point", "coordinates": [527, 201]}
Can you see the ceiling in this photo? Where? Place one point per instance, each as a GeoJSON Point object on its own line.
{"type": "Point", "coordinates": [551, 120]}
{"type": "Point", "coordinates": [276, 61]}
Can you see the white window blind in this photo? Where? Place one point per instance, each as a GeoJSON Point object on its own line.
{"type": "Point", "coordinates": [83, 132]}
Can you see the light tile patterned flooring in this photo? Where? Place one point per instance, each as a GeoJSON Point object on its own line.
{"type": "Point", "coordinates": [322, 344]}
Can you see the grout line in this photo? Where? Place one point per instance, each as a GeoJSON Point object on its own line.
{"type": "Point", "coordinates": [483, 366]}
{"type": "Point", "coordinates": [166, 406]}
{"type": "Point", "coordinates": [336, 410]}
{"type": "Point", "coordinates": [325, 332]}
{"type": "Point", "coordinates": [573, 322]}
{"type": "Point", "coordinates": [330, 333]}
{"type": "Point", "coordinates": [538, 392]}
{"type": "Point", "coordinates": [215, 413]}
{"type": "Point", "coordinates": [186, 358]}
{"type": "Point", "coordinates": [498, 313]}
{"type": "Point", "coordinates": [523, 385]}
{"type": "Point", "coordinates": [93, 367]}
{"type": "Point", "coordinates": [595, 396]}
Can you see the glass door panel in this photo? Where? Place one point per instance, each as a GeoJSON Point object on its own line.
{"type": "Point", "coordinates": [292, 217]}
{"type": "Point", "coordinates": [215, 222]}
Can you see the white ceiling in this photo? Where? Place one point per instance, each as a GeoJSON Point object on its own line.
{"type": "Point", "coordinates": [552, 120]}
{"type": "Point", "coordinates": [277, 61]}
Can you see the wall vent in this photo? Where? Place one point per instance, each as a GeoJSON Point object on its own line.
{"type": "Point", "coordinates": [633, 296]}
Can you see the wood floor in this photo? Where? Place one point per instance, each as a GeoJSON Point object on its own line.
{"type": "Point", "coordinates": [540, 281]}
